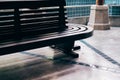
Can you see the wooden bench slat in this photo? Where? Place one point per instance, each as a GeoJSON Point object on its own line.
{"type": "Point", "coordinates": [39, 19]}
{"type": "Point", "coordinates": [42, 24]}
{"type": "Point", "coordinates": [38, 15]}
{"type": "Point", "coordinates": [22, 11]}
{"type": "Point", "coordinates": [8, 22]}
{"type": "Point", "coordinates": [39, 27]}
{"type": "Point", "coordinates": [4, 18]}
{"type": "Point", "coordinates": [35, 32]}
{"type": "Point", "coordinates": [5, 28]}
{"type": "Point", "coordinates": [26, 4]}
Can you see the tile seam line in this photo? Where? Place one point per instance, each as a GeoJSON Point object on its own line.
{"type": "Point", "coordinates": [102, 54]}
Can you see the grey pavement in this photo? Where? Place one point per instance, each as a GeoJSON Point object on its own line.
{"type": "Point", "coordinates": [99, 59]}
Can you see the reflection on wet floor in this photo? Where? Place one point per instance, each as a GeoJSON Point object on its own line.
{"type": "Point", "coordinates": [44, 67]}
{"type": "Point", "coordinates": [49, 64]}
{"type": "Point", "coordinates": [69, 61]}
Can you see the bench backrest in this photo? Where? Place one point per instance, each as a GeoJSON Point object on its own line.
{"type": "Point", "coordinates": [20, 18]}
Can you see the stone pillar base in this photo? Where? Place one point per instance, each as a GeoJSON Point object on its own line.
{"type": "Point", "coordinates": [99, 19]}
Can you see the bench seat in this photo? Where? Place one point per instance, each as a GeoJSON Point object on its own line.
{"type": "Point", "coordinates": [74, 32]}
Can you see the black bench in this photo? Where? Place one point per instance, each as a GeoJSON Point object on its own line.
{"type": "Point", "coordinates": [29, 24]}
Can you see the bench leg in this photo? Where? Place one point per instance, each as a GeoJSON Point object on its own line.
{"type": "Point", "coordinates": [68, 48]}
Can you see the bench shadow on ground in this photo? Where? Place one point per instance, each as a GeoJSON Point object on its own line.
{"type": "Point", "coordinates": [40, 67]}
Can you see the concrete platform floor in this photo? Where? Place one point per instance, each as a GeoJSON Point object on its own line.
{"type": "Point", "coordinates": [99, 60]}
